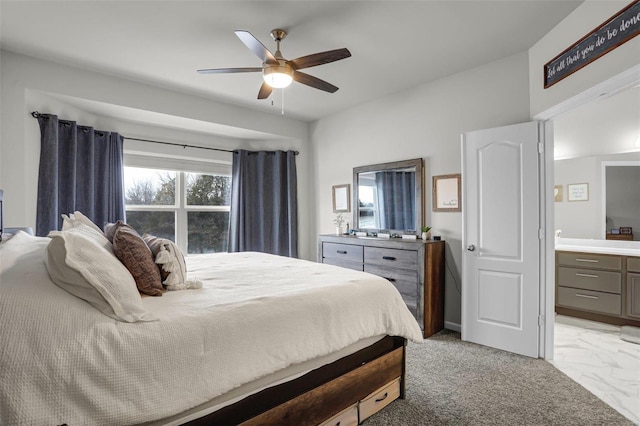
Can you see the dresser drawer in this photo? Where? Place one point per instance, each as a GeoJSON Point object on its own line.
{"type": "Point", "coordinates": [396, 258]}
{"type": "Point", "coordinates": [633, 264]}
{"type": "Point", "coordinates": [596, 301]}
{"type": "Point", "coordinates": [404, 280]}
{"type": "Point", "coordinates": [348, 417]}
{"type": "Point", "coordinates": [590, 260]}
{"type": "Point", "coordinates": [590, 279]}
{"type": "Point", "coordinates": [379, 399]}
{"type": "Point", "coordinates": [342, 263]}
{"type": "Point", "coordinates": [342, 251]}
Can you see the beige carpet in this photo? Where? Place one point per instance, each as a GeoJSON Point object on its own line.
{"type": "Point", "coordinates": [450, 382]}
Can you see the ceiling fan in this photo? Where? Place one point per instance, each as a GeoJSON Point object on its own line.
{"type": "Point", "coordinates": [279, 72]}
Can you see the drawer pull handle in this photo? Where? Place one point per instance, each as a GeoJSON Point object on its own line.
{"type": "Point", "coordinates": [341, 251]}
{"type": "Point", "coordinates": [586, 296]}
{"type": "Point", "coordinates": [393, 280]}
{"type": "Point", "coordinates": [586, 275]}
{"type": "Point", "coordinates": [386, 394]}
{"type": "Point", "coordinates": [388, 258]}
{"type": "Point", "coordinates": [587, 260]}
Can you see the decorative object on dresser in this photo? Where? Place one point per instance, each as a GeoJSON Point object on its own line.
{"type": "Point", "coordinates": [598, 287]}
{"type": "Point", "coordinates": [415, 267]}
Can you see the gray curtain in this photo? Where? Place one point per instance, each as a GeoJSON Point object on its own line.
{"type": "Point", "coordinates": [80, 169]}
{"type": "Point", "coordinates": [396, 201]}
{"type": "Point", "coordinates": [264, 205]}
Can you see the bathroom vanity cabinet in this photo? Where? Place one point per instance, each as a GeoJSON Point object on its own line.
{"type": "Point", "coordinates": [599, 287]}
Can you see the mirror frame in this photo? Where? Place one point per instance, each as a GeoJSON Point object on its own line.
{"type": "Point", "coordinates": [418, 190]}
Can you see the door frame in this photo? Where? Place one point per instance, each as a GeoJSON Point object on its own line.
{"type": "Point", "coordinates": [609, 87]}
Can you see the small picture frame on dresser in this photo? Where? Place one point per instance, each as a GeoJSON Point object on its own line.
{"type": "Point", "coordinates": [625, 230]}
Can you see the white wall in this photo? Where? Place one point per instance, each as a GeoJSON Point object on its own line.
{"type": "Point", "coordinates": [29, 84]}
{"type": "Point", "coordinates": [426, 122]}
{"type": "Point", "coordinates": [589, 15]}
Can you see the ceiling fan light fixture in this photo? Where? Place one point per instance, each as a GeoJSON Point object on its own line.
{"type": "Point", "coordinates": [278, 76]}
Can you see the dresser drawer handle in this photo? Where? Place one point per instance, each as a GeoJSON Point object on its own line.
{"type": "Point", "coordinates": [341, 251]}
{"type": "Point", "coordinates": [587, 260]}
{"type": "Point", "coordinates": [388, 258]}
{"type": "Point", "coordinates": [586, 275]}
{"type": "Point", "coordinates": [393, 280]}
{"type": "Point", "coordinates": [386, 394]}
{"type": "Point", "coordinates": [586, 296]}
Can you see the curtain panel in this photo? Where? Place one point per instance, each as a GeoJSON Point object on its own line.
{"type": "Point", "coordinates": [395, 199]}
{"type": "Point", "coordinates": [264, 204]}
{"type": "Point", "coordinates": [80, 169]}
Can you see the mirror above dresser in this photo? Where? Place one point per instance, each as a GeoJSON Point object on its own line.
{"type": "Point", "coordinates": [389, 196]}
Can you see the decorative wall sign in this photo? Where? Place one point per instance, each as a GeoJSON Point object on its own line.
{"type": "Point", "coordinates": [578, 192]}
{"type": "Point", "coordinates": [447, 193]}
{"type": "Point", "coordinates": [618, 29]}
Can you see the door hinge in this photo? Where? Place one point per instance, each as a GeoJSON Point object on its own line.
{"type": "Point", "coordinates": [541, 234]}
{"type": "Point", "coordinates": [540, 320]}
{"type": "Point", "coordinates": [540, 148]}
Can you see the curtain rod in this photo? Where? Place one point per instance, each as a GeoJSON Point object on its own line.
{"type": "Point", "coordinates": [36, 114]}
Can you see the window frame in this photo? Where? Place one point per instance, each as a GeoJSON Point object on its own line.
{"type": "Point", "coordinates": [180, 208]}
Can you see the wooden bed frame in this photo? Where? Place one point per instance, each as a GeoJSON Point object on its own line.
{"type": "Point", "coordinates": [321, 393]}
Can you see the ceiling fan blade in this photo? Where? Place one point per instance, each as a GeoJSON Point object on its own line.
{"type": "Point", "coordinates": [314, 82]}
{"type": "Point", "coordinates": [255, 46]}
{"type": "Point", "coordinates": [319, 58]}
{"type": "Point", "coordinates": [265, 91]}
{"type": "Point", "coordinates": [229, 70]}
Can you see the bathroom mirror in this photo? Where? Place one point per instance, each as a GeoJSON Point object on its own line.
{"type": "Point", "coordinates": [599, 143]}
{"type": "Point", "coordinates": [388, 196]}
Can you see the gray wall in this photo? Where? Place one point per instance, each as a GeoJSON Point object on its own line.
{"type": "Point", "coordinates": [623, 198]}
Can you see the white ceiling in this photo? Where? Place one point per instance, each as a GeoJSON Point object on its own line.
{"type": "Point", "coordinates": [395, 45]}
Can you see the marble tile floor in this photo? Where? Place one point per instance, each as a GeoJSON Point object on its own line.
{"type": "Point", "coordinates": [592, 354]}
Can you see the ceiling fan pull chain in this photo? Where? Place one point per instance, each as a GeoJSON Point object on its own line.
{"type": "Point", "coordinates": [282, 101]}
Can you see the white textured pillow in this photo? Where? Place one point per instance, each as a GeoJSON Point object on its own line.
{"type": "Point", "coordinates": [76, 218]}
{"type": "Point", "coordinates": [79, 263]}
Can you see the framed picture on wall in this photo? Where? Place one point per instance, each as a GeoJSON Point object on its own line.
{"type": "Point", "coordinates": [341, 203]}
{"type": "Point", "coordinates": [578, 192]}
{"type": "Point", "coordinates": [557, 193]}
{"type": "Point", "coordinates": [447, 193]}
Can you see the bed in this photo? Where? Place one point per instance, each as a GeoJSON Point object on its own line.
{"type": "Point", "coordinates": [265, 340]}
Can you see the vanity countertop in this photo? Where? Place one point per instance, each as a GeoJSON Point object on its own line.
{"type": "Point", "coordinates": [622, 248]}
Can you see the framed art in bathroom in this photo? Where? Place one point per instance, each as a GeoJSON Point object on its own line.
{"type": "Point", "coordinates": [578, 192]}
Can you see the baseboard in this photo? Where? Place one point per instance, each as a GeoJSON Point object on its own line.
{"type": "Point", "coordinates": [452, 326]}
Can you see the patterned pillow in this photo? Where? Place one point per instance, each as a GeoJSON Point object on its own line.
{"type": "Point", "coordinates": [171, 262]}
{"type": "Point", "coordinates": [134, 254]}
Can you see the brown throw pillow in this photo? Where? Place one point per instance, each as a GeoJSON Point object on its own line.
{"type": "Point", "coordinates": [130, 248]}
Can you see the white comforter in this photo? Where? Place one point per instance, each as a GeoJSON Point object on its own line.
{"type": "Point", "coordinates": [62, 361]}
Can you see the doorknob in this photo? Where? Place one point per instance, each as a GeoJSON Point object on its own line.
{"type": "Point", "coordinates": [471, 247]}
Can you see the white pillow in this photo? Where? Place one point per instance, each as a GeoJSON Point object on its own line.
{"type": "Point", "coordinates": [76, 218]}
{"type": "Point", "coordinates": [79, 262]}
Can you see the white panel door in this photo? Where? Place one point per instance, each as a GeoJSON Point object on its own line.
{"type": "Point", "coordinates": [501, 246]}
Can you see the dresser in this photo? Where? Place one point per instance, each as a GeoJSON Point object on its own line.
{"type": "Point", "coordinates": [414, 267]}
{"type": "Point", "coordinates": [599, 287]}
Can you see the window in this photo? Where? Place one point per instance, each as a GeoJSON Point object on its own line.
{"type": "Point", "coordinates": [189, 208]}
